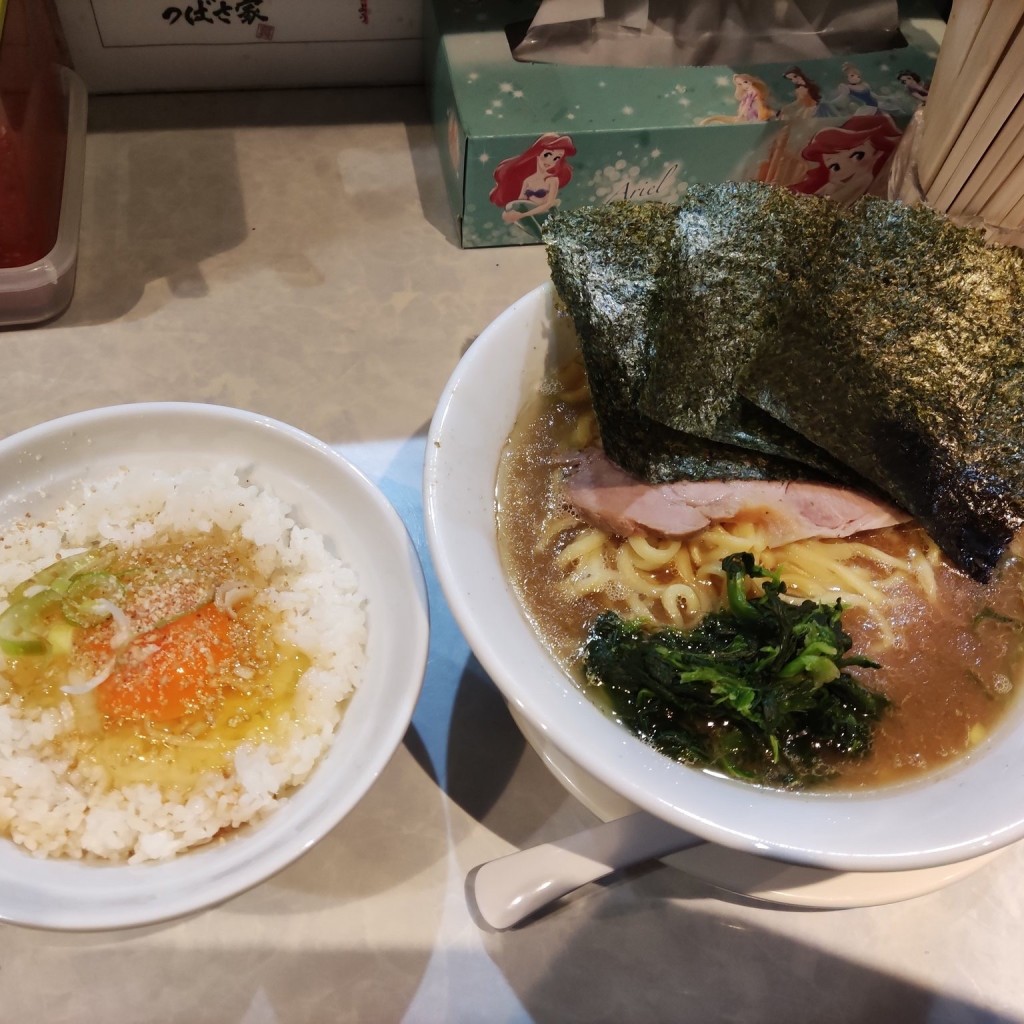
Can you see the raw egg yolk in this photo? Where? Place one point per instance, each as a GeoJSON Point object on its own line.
{"type": "Point", "coordinates": [169, 672]}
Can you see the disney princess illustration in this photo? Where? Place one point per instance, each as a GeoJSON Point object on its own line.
{"type": "Point", "coordinates": [527, 185]}
{"type": "Point", "coordinates": [856, 93]}
{"type": "Point", "coordinates": [807, 99]}
{"type": "Point", "coordinates": [753, 102]}
{"type": "Point", "coordinates": [849, 161]}
{"type": "Point", "coordinates": [915, 86]}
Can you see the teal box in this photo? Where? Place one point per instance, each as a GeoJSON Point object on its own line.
{"type": "Point", "coordinates": [518, 140]}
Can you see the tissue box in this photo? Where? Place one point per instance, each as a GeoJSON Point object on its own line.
{"type": "Point", "coordinates": [518, 140]}
{"type": "Point", "coordinates": [157, 45]}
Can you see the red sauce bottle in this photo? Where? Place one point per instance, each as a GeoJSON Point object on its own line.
{"type": "Point", "coordinates": [33, 133]}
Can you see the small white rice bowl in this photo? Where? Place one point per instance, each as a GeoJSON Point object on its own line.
{"type": "Point", "coordinates": [344, 583]}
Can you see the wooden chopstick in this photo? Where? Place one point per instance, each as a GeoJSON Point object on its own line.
{"type": "Point", "coordinates": [970, 158]}
{"type": "Point", "coordinates": [997, 209]}
{"type": "Point", "coordinates": [965, 21]}
{"type": "Point", "coordinates": [996, 102]}
{"type": "Point", "coordinates": [1006, 151]}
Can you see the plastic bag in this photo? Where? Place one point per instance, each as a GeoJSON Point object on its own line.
{"type": "Point", "coordinates": [667, 33]}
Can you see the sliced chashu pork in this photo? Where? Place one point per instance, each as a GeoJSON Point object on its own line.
{"type": "Point", "coordinates": [607, 496]}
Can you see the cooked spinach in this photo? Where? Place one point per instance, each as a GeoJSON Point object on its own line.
{"type": "Point", "coordinates": [759, 690]}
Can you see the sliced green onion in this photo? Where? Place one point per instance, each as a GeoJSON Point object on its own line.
{"type": "Point", "coordinates": [19, 624]}
{"type": "Point", "coordinates": [80, 686]}
{"type": "Point", "coordinates": [61, 637]}
{"type": "Point", "coordinates": [57, 574]}
{"type": "Point", "coordinates": [89, 597]}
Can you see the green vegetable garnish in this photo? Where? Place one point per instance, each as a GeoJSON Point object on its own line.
{"type": "Point", "coordinates": [87, 599]}
{"type": "Point", "coordinates": [77, 583]}
{"type": "Point", "coordinates": [757, 691]}
{"type": "Point", "coordinates": [20, 624]}
{"type": "Point", "coordinates": [57, 574]}
{"type": "Point", "coordinates": [991, 615]}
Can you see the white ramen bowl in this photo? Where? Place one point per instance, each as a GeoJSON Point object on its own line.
{"type": "Point", "coordinates": [326, 494]}
{"type": "Point", "coordinates": [972, 808]}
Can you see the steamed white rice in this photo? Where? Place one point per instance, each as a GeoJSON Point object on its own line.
{"type": "Point", "coordinates": [53, 808]}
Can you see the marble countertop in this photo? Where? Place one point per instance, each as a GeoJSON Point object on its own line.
{"type": "Point", "coordinates": [293, 254]}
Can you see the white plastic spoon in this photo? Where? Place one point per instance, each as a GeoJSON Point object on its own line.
{"type": "Point", "coordinates": [509, 889]}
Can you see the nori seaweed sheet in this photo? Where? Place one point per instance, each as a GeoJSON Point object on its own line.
{"type": "Point", "coordinates": [736, 278]}
{"type": "Point", "coordinates": [611, 281]}
{"type": "Point", "coordinates": [921, 352]}
{"type": "Point", "coordinates": [881, 335]}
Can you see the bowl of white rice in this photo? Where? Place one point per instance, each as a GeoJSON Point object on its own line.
{"type": "Point", "coordinates": [146, 774]}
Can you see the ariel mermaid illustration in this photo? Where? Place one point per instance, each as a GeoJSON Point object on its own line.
{"type": "Point", "coordinates": [848, 162]}
{"type": "Point", "coordinates": [527, 185]}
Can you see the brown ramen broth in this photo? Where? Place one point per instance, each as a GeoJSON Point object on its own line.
{"type": "Point", "coordinates": [950, 649]}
